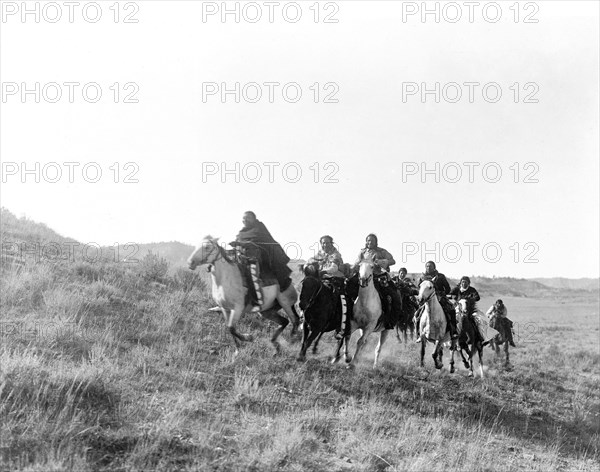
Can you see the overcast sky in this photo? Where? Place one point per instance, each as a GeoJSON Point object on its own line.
{"type": "Point", "coordinates": [366, 142]}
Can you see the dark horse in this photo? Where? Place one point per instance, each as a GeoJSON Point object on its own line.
{"type": "Point", "coordinates": [322, 307]}
{"type": "Point", "coordinates": [503, 326]}
{"type": "Point", "coordinates": [469, 338]}
{"type": "Point", "coordinates": [409, 308]}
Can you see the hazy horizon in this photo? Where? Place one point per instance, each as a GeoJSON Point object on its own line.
{"type": "Point", "coordinates": [474, 144]}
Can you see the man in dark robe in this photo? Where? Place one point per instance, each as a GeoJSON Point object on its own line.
{"type": "Point", "coordinates": [261, 249]}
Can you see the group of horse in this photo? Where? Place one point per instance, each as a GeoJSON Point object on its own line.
{"type": "Point", "coordinates": [318, 302]}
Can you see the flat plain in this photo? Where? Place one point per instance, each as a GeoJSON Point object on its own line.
{"type": "Point", "coordinates": [113, 367]}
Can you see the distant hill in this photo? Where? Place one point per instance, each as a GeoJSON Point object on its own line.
{"type": "Point", "coordinates": [570, 284]}
{"type": "Point", "coordinates": [23, 230]}
{"type": "Point", "coordinates": [174, 252]}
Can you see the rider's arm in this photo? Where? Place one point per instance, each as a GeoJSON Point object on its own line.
{"type": "Point", "coordinates": [476, 296]}
{"type": "Point", "coordinates": [389, 258]}
{"type": "Point", "coordinates": [446, 285]}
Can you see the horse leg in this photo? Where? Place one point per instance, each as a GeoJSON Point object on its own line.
{"type": "Point", "coordinates": [234, 316]}
{"type": "Point", "coordinates": [282, 321]}
{"type": "Point", "coordinates": [471, 354]}
{"type": "Point", "coordinates": [382, 337]}
{"type": "Point", "coordinates": [347, 355]}
{"type": "Point", "coordinates": [464, 359]}
{"type": "Point", "coordinates": [360, 344]}
{"type": "Point", "coordinates": [452, 361]}
{"type": "Point", "coordinates": [290, 310]}
{"type": "Point", "coordinates": [306, 331]}
{"type": "Point", "coordinates": [423, 342]}
{"type": "Point", "coordinates": [480, 352]}
{"type": "Point", "coordinates": [314, 349]}
{"type": "Point", "coordinates": [507, 361]}
{"type": "Point", "coordinates": [437, 354]}
{"type": "Point", "coordinates": [308, 339]}
{"type": "Point", "coordinates": [337, 355]}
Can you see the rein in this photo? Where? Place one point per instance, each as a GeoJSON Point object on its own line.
{"type": "Point", "coordinates": [367, 280]}
{"type": "Point", "coordinates": [314, 297]}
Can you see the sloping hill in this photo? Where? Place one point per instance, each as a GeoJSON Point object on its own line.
{"type": "Point", "coordinates": [570, 284]}
{"type": "Point", "coordinates": [24, 230]}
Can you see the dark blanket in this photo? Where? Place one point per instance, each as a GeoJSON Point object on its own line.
{"type": "Point", "coordinates": [272, 257]}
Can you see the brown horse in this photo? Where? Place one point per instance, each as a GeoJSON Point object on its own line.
{"type": "Point", "coordinates": [469, 337]}
{"type": "Point", "coordinates": [502, 326]}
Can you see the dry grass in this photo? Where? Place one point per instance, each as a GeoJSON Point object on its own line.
{"type": "Point", "coordinates": [103, 368]}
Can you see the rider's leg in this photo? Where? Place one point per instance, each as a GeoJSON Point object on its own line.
{"type": "Point", "coordinates": [396, 306]}
{"type": "Point", "coordinates": [254, 275]}
{"type": "Point", "coordinates": [509, 332]}
{"type": "Point", "coordinates": [450, 316]}
{"type": "Point", "coordinates": [385, 302]}
{"type": "Point", "coordinates": [417, 321]}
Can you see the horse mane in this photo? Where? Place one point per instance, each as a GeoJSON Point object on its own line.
{"type": "Point", "coordinates": [222, 250]}
{"type": "Point", "coordinates": [471, 306]}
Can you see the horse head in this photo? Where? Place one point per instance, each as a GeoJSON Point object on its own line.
{"type": "Point", "coordinates": [365, 273]}
{"type": "Point", "coordinates": [207, 252]}
{"type": "Point", "coordinates": [426, 291]}
{"type": "Point", "coordinates": [311, 269]}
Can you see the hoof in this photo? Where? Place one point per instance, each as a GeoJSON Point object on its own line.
{"type": "Point", "coordinates": [301, 358]}
{"type": "Point", "coordinates": [467, 365]}
{"type": "Point", "coordinates": [335, 360]}
{"type": "Point", "coordinates": [247, 337]}
{"type": "Point", "coordinates": [315, 351]}
{"type": "Point", "coordinates": [452, 369]}
{"type": "Point", "coordinates": [470, 375]}
{"type": "Point", "coordinates": [349, 359]}
{"type": "Point", "coordinates": [350, 367]}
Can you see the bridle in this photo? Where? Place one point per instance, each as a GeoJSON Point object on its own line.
{"type": "Point", "coordinates": [314, 296]}
{"type": "Point", "coordinates": [365, 282]}
{"type": "Point", "coordinates": [220, 255]}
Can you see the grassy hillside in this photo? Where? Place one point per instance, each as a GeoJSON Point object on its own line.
{"type": "Point", "coordinates": [107, 366]}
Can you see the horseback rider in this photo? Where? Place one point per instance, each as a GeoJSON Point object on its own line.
{"type": "Point", "coordinates": [329, 263]}
{"type": "Point", "coordinates": [260, 252]}
{"type": "Point", "coordinates": [405, 284]}
{"type": "Point", "coordinates": [465, 291]}
{"type": "Point", "coordinates": [500, 312]}
{"type": "Point", "coordinates": [382, 260]}
{"type": "Point", "coordinates": [328, 258]}
{"type": "Point", "coordinates": [442, 288]}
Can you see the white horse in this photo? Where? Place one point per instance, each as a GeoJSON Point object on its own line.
{"type": "Point", "coordinates": [230, 294]}
{"type": "Point", "coordinates": [433, 323]}
{"type": "Point", "coordinates": [366, 313]}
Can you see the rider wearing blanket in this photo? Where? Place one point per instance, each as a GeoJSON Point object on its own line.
{"type": "Point", "coordinates": [442, 288]}
{"type": "Point", "coordinates": [464, 291]}
{"type": "Point", "coordinates": [261, 252]}
{"type": "Point", "coordinates": [382, 260]}
{"type": "Point", "coordinates": [329, 263]}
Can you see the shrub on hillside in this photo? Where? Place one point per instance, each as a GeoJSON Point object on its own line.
{"type": "Point", "coordinates": [186, 280]}
{"type": "Point", "coordinates": [153, 268]}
